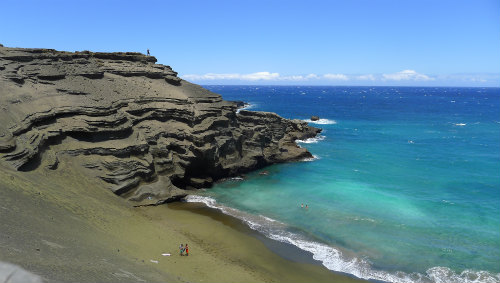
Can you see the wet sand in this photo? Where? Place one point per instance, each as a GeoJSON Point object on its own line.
{"type": "Point", "coordinates": [64, 226]}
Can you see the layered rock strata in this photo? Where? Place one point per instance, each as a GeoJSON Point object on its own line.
{"type": "Point", "coordinates": [148, 134]}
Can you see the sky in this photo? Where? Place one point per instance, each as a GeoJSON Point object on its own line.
{"type": "Point", "coordinates": [348, 42]}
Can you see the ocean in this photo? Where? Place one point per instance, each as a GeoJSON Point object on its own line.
{"type": "Point", "coordinates": [404, 185]}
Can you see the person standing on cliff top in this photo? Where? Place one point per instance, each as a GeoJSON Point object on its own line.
{"type": "Point", "coordinates": [148, 52]}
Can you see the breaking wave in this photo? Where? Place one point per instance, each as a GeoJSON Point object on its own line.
{"type": "Point", "coordinates": [309, 159]}
{"type": "Point", "coordinates": [321, 121]}
{"type": "Point", "coordinates": [316, 139]}
{"type": "Point", "coordinates": [334, 259]}
{"type": "Point", "coordinates": [246, 107]}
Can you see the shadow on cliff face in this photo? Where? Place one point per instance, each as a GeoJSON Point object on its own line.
{"type": "Point", "coordinates": [132, 123]}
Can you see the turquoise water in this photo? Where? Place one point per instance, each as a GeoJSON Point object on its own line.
{"type": "Point", "coordinates": [405, 185]}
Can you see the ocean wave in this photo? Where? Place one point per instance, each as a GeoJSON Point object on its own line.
{"type": "Point", "coordinates": [210, 202]}
{"type": "Point", "coordinates": [321, 121]}
{"type": "Point", "coordinates": [334, 259]}
{"type": "Point", "coordinates": [309, 159]}
{"type": "Point", "coordinates": [256, 222]}
{"type": "Point", "coordinates": [246, 107]}
{"type": "Point", "coordinates": [460, 124]}
{"type": "Point", "coordinates": [316, 139]}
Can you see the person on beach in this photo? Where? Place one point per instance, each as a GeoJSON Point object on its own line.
{"type": "Point", "coordinates": [187, 250]}
{"type": "Point", "coordinates": [181, 249]}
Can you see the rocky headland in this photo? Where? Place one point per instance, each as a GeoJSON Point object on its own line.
{"type": "Point", "coordinates": [148, 135]}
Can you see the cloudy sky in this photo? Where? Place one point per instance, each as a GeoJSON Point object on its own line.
{"type": "Point", "coordinates": [348, 42]}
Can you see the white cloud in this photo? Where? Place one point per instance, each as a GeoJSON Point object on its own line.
{"type": "Point", "coordinates": [244, 77]}
{"type": "Point", "coordinates": [368, 77]}
{"type": "Point", "coordinates": [293, 78]}
{"type": "Point", "coordinates": [260, 76]}
{"type": "Point", "coordinates": [336, 77]}
{"type": "Point", "coordinates": [309, 77]}
{"type": "Point", "coordinates": [407, 75]}
{"type": "Point", "coordinates": [312, 76]}
{"type": "Point", "coordinates": [475, 78]}
{"type": "Point", "coordinates": [265, 76]}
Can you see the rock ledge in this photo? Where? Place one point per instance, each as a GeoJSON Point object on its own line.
{"type": "Point", "coordinates": [147, 134]}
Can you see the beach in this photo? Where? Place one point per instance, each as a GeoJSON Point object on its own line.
{"type": "Point", "coordinates": [107, 160]}
{"type": "Point", "coordinates": [70, 229]}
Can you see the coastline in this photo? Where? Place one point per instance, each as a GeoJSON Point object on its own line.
{"type": "Point", "coordinates": [72, 229]}
{"type": "Point", "coordinates": [86, 138]}
{"type": "Point", "coordinates": [287, 262]}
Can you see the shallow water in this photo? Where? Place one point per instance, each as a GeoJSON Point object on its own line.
{"type": "Point", "coordinates": [405, 185]}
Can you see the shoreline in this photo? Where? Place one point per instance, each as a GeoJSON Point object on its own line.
{"type": "Point", "coordinates": [284, 250]}
{"type": "Point", "coordinates": [72, 229]}
{"type": "Point", "coordinates": [250, 248]}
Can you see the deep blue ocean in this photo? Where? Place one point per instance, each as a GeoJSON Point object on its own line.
{"type": "Point", "coordinates": [404, 186]}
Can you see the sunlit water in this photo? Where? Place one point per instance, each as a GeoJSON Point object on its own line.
{"type": "Point", "coordinates": [405, 186]}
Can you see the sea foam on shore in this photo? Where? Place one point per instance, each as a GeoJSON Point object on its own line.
{"type": "Point", "coordinates": [377, 192]}
{"type": "Point", "coordinates": [334, 259]}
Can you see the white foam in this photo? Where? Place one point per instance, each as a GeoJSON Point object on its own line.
{"type": "Point", "coordinates": [267, 218]}
{"type": "Point", "coordinates": [321, 121]}
{"type": "Point", "coordinates": [309, 159]}
{"type": "Point", "coordinates": [316, 139]}
{"type": "Point", "coordinates": [444, 274]}
{"type": "Point", "coordinates": [335, 260]}
{"type": "Point", "coordinates": [208, 201]}
{"type": "Point", "coordinates": [246, 107]}
{"type": "Point", "coordinates": [256, 222]}
{"type": "Point", "coordinates": [460, 124]}
{"type": "Point", "coordinates": [364, 219]}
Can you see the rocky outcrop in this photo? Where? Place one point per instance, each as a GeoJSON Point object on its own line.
{"type": "Point", "coordinates": [148, 134]}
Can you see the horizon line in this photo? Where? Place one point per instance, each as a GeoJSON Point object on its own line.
{"type": "Point", "coordinates": [441, 86]}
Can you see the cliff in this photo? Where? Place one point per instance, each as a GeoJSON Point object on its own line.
{"type": "Point", "coordinates": [132, 123]}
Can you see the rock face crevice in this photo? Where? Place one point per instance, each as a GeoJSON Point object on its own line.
{"type": "Point", "coordinates": [148, 134]}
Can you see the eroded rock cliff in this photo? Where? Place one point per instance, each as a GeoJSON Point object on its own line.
{"type": "Point", "coordinates": [148, 134]}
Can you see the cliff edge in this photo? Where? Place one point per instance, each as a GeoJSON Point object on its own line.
{"type": "Point", "coordinates": [132, 123]}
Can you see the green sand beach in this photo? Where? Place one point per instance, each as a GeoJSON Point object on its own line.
{"type": "Point", "coordinates": [70, 229]}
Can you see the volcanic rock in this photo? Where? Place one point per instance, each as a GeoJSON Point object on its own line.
{"type": "Point", "coordinates": [134, 124]}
